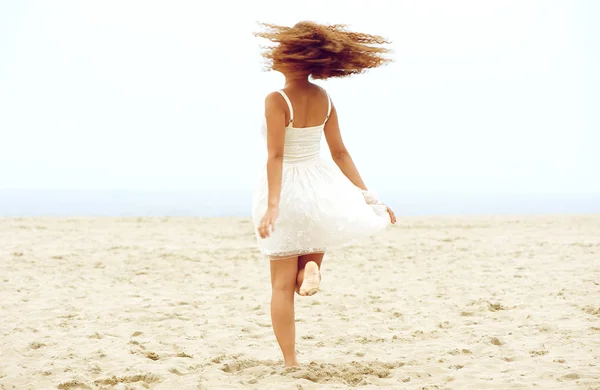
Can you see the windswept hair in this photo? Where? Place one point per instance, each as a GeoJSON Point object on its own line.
{"type": "Point", "coordinates": [322, 51]}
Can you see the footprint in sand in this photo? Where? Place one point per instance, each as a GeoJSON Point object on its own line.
{"type": "Point", "coordinates": [570, 377]}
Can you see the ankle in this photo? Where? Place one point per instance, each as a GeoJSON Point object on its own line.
{"type": "Point", "coordinates": [291, 362]}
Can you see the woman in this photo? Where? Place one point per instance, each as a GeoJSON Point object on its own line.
{"type": "Point", "coordinates": [304, 206]}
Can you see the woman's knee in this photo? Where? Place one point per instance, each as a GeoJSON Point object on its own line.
{"type": "Point", "coordinates": [284, 284]}
{"type": "Point", "coordinates": [283, 274]}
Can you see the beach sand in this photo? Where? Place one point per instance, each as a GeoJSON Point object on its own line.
{"type": "Point", "coordinates": [183, 303]}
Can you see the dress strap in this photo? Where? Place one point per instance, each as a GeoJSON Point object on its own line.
{"type": "Point", "coordinates": [289, 103]}
{"type": "Point", "coordinates": [328, 108]}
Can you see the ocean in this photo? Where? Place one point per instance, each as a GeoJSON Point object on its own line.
{"type": "Point", "coordinates": [215, 203]}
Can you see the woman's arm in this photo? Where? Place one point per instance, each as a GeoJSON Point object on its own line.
{"type": "Point", "coordinates": [275, 116]}
{"type": "Point", "coordinates": [342, 158]}
{"type": "Point", "coordinates": [338, 150]}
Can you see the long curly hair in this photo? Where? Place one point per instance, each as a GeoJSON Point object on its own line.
{"type": "Point", "coordinates": [321, 51]}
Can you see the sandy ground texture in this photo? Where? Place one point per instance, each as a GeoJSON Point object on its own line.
{"type": "Point", "coordinates": [183, 303]}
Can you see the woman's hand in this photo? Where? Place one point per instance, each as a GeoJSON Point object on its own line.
{"type": "Point", "coordinates": [267, 224]}
{"type": "Point", "coordinates": [391, 213]}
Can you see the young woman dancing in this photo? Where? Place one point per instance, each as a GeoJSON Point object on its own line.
{"type": "Point", "coordinates": [304, 206]}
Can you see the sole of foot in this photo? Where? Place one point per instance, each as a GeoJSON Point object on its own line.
{"type": "Point", "coordinates": [312, 280]}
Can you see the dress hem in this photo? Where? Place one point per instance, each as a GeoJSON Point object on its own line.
{"type": "Point", "coordinates": [290, 254]}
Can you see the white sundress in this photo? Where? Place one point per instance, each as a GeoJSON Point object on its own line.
{"type": "Point", "coordinates": [319, 208]}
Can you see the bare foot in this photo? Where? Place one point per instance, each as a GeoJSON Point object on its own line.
{"type": "Point", "coordinates": [312, 279]}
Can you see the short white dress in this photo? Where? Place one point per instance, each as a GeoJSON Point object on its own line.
{"type": "Point", "coordinates": [319, 208]}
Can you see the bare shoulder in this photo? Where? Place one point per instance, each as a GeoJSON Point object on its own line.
{"type": "Point", "coordinates": [273, 98]}
{"type": "Point", "coordinates": [327, 96]}
{"type": "Point", "coordinates": [274, 103]}
{"type": "Point", "coordinates": [322, 90]}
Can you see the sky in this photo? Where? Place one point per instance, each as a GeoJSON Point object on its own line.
{"type": "Point", "coordinates": [482, 96]}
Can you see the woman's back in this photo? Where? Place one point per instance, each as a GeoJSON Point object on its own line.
{"type": "Point", "coordinates": [310, 105]}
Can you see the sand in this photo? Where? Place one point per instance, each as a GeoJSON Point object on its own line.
{"type": "Point", "coordinates": [183, 303]}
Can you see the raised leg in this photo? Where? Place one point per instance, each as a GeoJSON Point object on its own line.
{"type": "Point", "coordinates": [283, 282]}
{"type": "Point", "coordinates": [308, 279]}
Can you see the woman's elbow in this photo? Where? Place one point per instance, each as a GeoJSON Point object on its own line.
{"type": "Point", "coordinates": [275, 157]}
{"type": "Point", "coordinates": [340, 154]}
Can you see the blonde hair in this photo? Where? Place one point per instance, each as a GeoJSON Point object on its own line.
{"type": "Point", "coordinates": [322, 51]}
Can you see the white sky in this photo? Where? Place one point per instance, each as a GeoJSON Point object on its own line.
{"type": "Point", "coordinates": [483, 96]}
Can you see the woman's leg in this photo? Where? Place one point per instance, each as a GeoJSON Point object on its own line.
{"type": "Point", "coordinates": [283, 283]}
{"type": "Point", "coordinates": [308, 279]}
